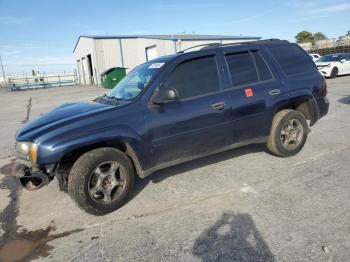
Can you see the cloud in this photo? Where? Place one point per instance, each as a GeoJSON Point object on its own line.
{"type": "Point", "coordinates": [38, 60]}
{"type": "Point", "coordinates": [335, 8]}
{"type": "Point", "coordinates": [319, 7]}
{"type": "Point", "coordinates": [185, 5]}
{"type": "Point", "coordinates": [11, 53]}
{"type": "Point", "coordinates": [302, 4]}
{"type": "Point", "coordinates": [12, 20]}
{"type": "Point", "coordinates": [138, 32]}
{"type": "Point", "coordinates": [238, 20]}
{"type": "Point", "coordinates": [253, 17]}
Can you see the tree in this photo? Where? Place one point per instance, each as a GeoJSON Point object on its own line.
{"type": "Point", "coordinates": [319, 36]}
{"type": "Point", "coordinates": [347, 33]}
{"type": "Point", "coordinates": [304, 37]}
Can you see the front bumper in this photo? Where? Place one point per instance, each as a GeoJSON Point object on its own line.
{"type": "Point", "coordinates": [33, 178]}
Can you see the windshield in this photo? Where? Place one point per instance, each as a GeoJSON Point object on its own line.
{"type": "Point", "coordinates": [134, 82]}
{"type": "Point", "coordinates": [329, 58]}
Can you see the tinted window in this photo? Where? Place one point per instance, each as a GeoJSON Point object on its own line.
{"type": "Point", "coordinates": [292, 59]}
{"type": "Point", "coordinates": [195, 77]}
{"type": "Point", "coordinates": [263, 70]}
{"type": "Point", "coordinates": [242, 68]}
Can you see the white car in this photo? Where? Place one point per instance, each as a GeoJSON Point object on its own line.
{"type": "Point", "coordinates": [315, 57]}
{"type": "Point", "coordinates": [334, 65]}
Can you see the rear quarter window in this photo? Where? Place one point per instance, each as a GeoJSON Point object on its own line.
{"type": "Point", "coordinates": [292, 59]}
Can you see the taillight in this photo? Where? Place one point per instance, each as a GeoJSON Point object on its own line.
{"type": "Point", "coordinates": [324, 87]}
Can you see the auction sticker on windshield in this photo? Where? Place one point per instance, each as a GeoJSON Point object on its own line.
{"type": "Point", "coordinates": [156, 65]}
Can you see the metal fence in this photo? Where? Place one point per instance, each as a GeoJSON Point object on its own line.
{"type": "Point", "coordinates": [43, 81]}
{"type": "Point", "coordinates": [328, 46]}
{"type": "Point", "coordinates": [330, 50]}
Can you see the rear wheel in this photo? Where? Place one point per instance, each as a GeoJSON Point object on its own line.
{"type": "Point", "coordinates": [101, 180]}
{"type": "Point", "coordinates": [288, 133]}
{"type": "Point", "coordinates": [334, 72]}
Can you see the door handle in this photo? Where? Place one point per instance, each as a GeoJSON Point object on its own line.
{"type": "Point", "coordinates": [218, 106]}
{"type": "Point", "coordinates": [274, 92]}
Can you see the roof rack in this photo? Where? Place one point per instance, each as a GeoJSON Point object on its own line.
{"type": "Point", "coordinates": [204, 46]}
{"type": "Point", "coordinates": [215, 45]}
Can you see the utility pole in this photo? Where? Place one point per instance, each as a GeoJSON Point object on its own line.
{"type": "Point", "coordinates": [3, 71]}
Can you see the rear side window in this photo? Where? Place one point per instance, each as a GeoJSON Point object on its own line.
{"type": "Point", "coordinates": [242, 68]}
{"type": "Point", "coordinates": [292, 59]}
{"type": "Point", "coordinates": [263, 70]}
{"type": "Point", "coordinates": [194, 78]}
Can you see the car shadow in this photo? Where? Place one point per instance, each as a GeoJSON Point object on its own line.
{"type": "Point", "coordinates": [345, 100]}
{"type": "Point", "coordinates": [163, 174]}
{"type": "Point", "coordinates": [233, 237]}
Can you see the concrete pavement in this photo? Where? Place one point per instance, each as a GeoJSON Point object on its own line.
{"type": "Point", "coordinates": [243, 205]}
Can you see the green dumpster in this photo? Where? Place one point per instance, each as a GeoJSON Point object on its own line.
{"type": "Point", "coordinates": [112, 76]}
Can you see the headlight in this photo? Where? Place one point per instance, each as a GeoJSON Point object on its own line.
{"type": "Point", "coordinates": [329, 65]}
{"type": "Point", "coordinates": [27, 151]}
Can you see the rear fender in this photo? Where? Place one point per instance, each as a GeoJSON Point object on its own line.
{"type": "Point", "coordinates": [301, 100]}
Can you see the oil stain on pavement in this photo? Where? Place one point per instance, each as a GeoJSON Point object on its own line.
{"type": "Point", "coordinates": [16, 242]}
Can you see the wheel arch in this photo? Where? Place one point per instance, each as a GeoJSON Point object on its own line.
{"type": "Point", "coordinates": [68, 159]}
{"type": "Point", "coordinates": [305, 104]}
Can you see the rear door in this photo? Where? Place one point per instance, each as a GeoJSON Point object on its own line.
{"type": "Point", "coordinates": [200, 120]}
{"type": "Point", "coordinates": [254, 87]}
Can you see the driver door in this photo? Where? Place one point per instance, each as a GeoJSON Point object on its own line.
{"type": "Point", "coordinates": [199, 120]}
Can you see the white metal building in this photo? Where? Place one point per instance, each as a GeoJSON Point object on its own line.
{"type": "Point", "coordinates": [96, 54]}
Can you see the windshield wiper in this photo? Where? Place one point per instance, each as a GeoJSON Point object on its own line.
{"type": "Point", "coordinates": [111, 98]}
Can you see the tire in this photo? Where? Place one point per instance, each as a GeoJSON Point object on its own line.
{"type": "Point", "coordinates": [288, 133]}
{"type": "Point", "coordinates": [334, 72]}
{"type": "Point", "coordinates": [93, 184]}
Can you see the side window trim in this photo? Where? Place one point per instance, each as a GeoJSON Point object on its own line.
{"type": "Point", "coordinates": [256, 67]}
{"type": "Point", "coordinates": [267, 65]}
{"type": "Point", "coordinates": [220, 76]}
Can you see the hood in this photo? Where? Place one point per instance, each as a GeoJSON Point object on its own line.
{"type": "Point", "coordinates": [323, 63]}
{"type": "Point", "coordinates": [60, 116]}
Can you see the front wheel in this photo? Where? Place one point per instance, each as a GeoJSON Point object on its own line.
{"type": "Point", "coordinates": [288, 133]}
{"type": "Point", "coordinates": [334, 72]}
{"type": "Point", "coordinates": [101, 180]}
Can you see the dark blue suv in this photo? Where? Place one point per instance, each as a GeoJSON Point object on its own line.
{"type": "Point", "coordinates": [174, 109]}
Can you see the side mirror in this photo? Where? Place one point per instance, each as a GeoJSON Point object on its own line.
{"type": "Point", "coordinates": [165, 96]}
{"type": "Point", "coordinates": [343, 61]}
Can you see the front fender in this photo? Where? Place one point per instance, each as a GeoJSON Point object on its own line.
{"type": "Point", "coordinates": [52, 151]}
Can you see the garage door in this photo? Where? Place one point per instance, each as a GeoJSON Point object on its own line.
{"type": "Point", "coordinates": [151, 53]}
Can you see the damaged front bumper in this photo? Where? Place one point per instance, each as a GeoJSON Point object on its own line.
{"type": "Point", "coordinates": [34, 178]}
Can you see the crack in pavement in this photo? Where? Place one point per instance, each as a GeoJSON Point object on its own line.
{"type": "Point", "coordinates": [29, 107]}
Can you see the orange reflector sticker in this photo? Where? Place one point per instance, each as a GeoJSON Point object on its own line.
{"type": "Point", "coordinates": [248, 92]}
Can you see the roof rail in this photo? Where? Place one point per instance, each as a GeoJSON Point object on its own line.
{"type": "Point", "coordinates": [204, 45]}
{"type": "Point", "coordinates": [215, 45]}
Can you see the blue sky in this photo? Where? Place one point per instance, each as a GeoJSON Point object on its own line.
{"type": "Point", "coordinates": [41, 34]}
